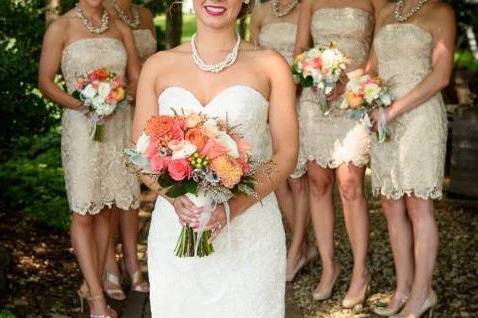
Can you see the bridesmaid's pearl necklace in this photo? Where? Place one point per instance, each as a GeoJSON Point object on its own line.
{"type": "Point", "coordinates": [215, 68]}
{"type": "Point", "coordinates": [89, 26]}
{"type": "Point", "coordinates": [290, 6]}
{"type": "Point", "coordinates": [400, 17]}
{"type": "Point", "coordinates": [133, 23]}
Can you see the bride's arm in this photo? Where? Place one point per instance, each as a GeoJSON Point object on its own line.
{"type": "Point", "coordinates": [146, 107]}
{"type": "Point", "coordinates": [285, 140]}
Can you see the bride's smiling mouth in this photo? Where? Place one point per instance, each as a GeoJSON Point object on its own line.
{"type": "Point", "coordinates": [214, 11]}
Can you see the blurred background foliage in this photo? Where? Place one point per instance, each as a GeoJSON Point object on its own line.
{"type": "Point", "coordinates": [30, 164]}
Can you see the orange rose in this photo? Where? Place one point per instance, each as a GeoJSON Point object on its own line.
{"type": "Point", "coordinates": [228, 170]}
{"type": "Point", "coordinates": [354, 101]}
{"type": "Point", "coordinates": [197, 138]}
{"type": "Point", "coordinates": [159, 126]}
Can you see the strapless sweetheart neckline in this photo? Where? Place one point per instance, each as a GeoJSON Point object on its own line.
{"type": "Point", "coordinates": [216, 97]}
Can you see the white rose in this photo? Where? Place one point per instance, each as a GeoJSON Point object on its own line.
{"type": "Point", "coordinates": [211, 127]}
{"type": "Point", "coordinates": [143, 143]}
{"type": "Point", "coordinates": [104, 89]}
{"type": "Point", "coordinates": [371, 92]}
{"type": "Point", "coordinates": [89, 91]}
{"type": "Point", "coordinates": [181, 149]}
{"type": "Point", "coordinates": [97, 103]}
{"type": "Point", "coordinates": [227, 141]}
{"type": "Point", "coordinates": [328, 58]}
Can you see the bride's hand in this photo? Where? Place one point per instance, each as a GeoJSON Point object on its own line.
{"type": "Point", "coordinates": [217, 222]}
{"type": "Point", "coordinates": [187, 212]}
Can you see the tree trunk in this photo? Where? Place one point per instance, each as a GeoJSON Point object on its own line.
{"type": "Point", "coordinates": [174, 24]}
{"type": "Point", "coordinates": [52, 10]}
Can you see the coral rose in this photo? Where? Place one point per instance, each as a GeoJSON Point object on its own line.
{"type": "Point", "coordinates": [179, 169]}
{"type": "Point", "coordinates": [196, 137]}
{"type": "Point", "coordinates": [176, 133]}
{"type": "Point", "coordinates": [159, 126]}
{"type": "Point", "coordinates": [228, 170]}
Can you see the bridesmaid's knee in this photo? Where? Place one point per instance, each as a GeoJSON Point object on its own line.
{"type": "Point", "coordinates": [321, 185]}
{"type": "Point", "coordinates": [351, 189]}
{"type": "Point", "coordinates": [297, 185]}
{"type": "Point", "coordinates": [83, 221]}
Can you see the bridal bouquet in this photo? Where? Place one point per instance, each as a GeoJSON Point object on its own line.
{"type": "Point", "coordinates": [200, 157]}
{"type": "Point", "coordinates": [320, 68]}
{"type": "Point", "coordinates": [363, 94]}
{"type": "Point", "coordinates": [102, 92]}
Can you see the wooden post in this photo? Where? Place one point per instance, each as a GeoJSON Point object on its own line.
{"type": "Point", "coordinates": [174, 24]}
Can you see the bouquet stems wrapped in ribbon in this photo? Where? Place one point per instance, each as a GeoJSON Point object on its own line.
{"type": "Point", "coordinates": [198, 156]}
{"type": "Point", "coordinates": [364, 94]}
{"type": "Point", "coordinates": [102, 92]}
{"type": "Point", "coordinates": [320, 68]}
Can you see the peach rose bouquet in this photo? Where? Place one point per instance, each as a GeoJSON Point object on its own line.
{"type": "Point", "coordinates": [363, 94]}
{"type": "Point", "coordinates": [198, 156]}
{"type": "Point", "coordinates": [321, 68]}
{"type": "Point", "coordinates": [102, 92]}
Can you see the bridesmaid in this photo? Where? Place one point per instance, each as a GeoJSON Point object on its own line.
{"type": "Point", "coordinates": [274, 25]}
{"type": "Point", "coordinates": [140, 21]}
{"type": "Point", "coordinates": [336, 147]}
{"type": "Point", "coordinates": [413, 51]}
{"type": "Point", "coordinates": [83, 39]}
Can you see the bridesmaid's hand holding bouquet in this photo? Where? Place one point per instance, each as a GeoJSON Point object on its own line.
{"type": "Point", "coordinates": [101, 92]}
{"type": "Point", "coordinates": [367, 97]}
{"type": "Point", "coordinates": [320, 68]}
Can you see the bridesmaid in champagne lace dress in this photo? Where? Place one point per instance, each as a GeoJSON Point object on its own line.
{"type": "Point", "coordinates": [274, 25]}
{"type": "Point", "coordinates": [140, 21]}
{"type": "Point", "coordinates": [413, 51]}
{"type": "Point", "coordinates": [96, 179]}
{"type": "Point", "coordinates": [335, 147]}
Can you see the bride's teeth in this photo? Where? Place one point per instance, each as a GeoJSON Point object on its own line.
{"type": "Point", "coordinates": [215, 9]}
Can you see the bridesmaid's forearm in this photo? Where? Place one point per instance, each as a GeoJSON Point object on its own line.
{"type": "Point", "coordinates": [58, 96]}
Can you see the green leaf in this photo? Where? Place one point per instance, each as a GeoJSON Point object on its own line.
{"type": "Point", "coordinates": [177, 190]}
{"type": "Point", "coordinates": [191, 187]}
{"type": "Point", "coordinates": [165, 181]}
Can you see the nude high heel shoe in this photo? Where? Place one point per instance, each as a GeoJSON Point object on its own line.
{"type": "Point", "coordinates": [384, 311]}
{"type": "Point", "coordinates": [316, 295]}
{"type": "Point", "coordinates": [351, 302]}
{"type": "Point", "coordinates": [428, 307]}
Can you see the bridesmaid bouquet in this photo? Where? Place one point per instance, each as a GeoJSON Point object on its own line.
{"type": "Point", "coordinates": [363, 94]}
{"type": "Point", "coordinates": [102, 92]}
{"type": "Point", "coordinates": [320, 68]}
{"type": "Point", "coordinates": [200, 157]}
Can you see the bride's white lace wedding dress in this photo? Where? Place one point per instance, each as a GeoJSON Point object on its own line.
{"type": "Point", "coordinates": [247, 280]}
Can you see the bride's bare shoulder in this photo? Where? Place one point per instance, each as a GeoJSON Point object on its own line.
{"type": "Point", "coordinates": [265, 58]}
{"type": "Point", "coordinates": [168, 59]}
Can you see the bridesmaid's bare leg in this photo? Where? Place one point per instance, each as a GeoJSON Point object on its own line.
{"type": "Point", "coordinates": [350, 181]}
{"type": "Point", "coordinates": [111, 265]}
{"type": "Point", "coordinates": [129, 221]}
{"type": "Point", "coordinates": [84, 243]}
{"type": "Point", "coordinates": [299, 244]}
{"type": "Point", "coordinates": [321, 184]}
{"type": "Point", "coordinates": [102, 231]}
{"type": "Point", "coordinates": [401, 240]}
{"type": "Point", "coordinates": [286, 203]}
{"type": "Point", "coordinates": [425, 235]}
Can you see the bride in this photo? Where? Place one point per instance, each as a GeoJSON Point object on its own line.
{"type": "Point", "coordinates": [221, 76]}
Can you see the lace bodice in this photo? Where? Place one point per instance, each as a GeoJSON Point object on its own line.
{"type": "Point", "coordinates": [350, 28]}
{"type": "Point", "coordinates": [241, 105]}
{"type": "Point", "coordinates": [410, 47]}
{"type": "Point", "coordinates": [88, 54]}
{"type": "Point", "coordinates": [279, 36]}
{"type": "Point", "coordinates": [145, 43]}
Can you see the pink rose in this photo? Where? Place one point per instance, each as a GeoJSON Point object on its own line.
{"type": "Point", "coordinates": [214, 149]}
{"type": "Point", "coordinates": [158, 163]}
{"type": "Point", "coordinates": [151, 150]}
{"type": "Point", "coordinates": [176, 132]}
{"type": "Point", "coordinates": [179, 169]}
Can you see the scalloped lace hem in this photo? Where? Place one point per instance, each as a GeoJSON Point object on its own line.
{"type": "Point", "coordinates": [434, 193]}
{"type": "Point", "coordinates": [94, 208]}
{"type": "Point", "coordinates": [301, 169]}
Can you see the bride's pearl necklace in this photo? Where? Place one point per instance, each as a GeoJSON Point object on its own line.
{"type": "Point", "coordinates": [400, 17]}
{"type": "Point", "coordinates": [218, 67]}
{"type": "Point", "coordinates": [290, 6]}
{"type": "Point", "coordinates": [87, 23]}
